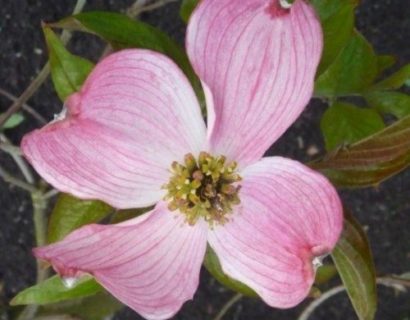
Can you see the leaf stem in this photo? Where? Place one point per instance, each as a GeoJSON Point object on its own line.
{"type": "Point", "coordinates": [231, 302]}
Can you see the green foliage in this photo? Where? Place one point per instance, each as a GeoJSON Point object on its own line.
{"type": "Point", "coordinates": [53, 290]}
{"type": "Point", "coordinates": [212, 264]}
{"type": "Point", "coordinates": [187, 6]}
{"type": "Point", "coordinates": [127, 214]}
{"type": "Point", "coordinates": [353, 259]}
{"type": "Point", "coordinates": [395, 81]}
{"type": "Point", "coordinates": [350, 67]}
{"type": "Point", "coordinates": [385, 62]}
{"type": "Point", "coordinates": [71, 213]}
{"type": "Point", "coordinates": [337, 18]}
{"type": "Point", "coordinates": [325, 273]}
{"type": "Point", "coordinates": [369, 161]}
{"type": "Point", "coordinates": [390, 102]}
{"type": "Point", "coordinates": [96, 307]}
{"type": "Point", "coordinates": [344, 123]}
{"type": "Point", "coordinates": [123, 32]}
{"type": "Point", "coordinates": [352, 72]}
{"type": "Point", "coordinates": [67, 70]}
{"type": "Point", "coordinates": [14, 121]}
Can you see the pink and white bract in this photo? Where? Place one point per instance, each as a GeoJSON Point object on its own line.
{"type": "Point", "coordinates": [137, 114]}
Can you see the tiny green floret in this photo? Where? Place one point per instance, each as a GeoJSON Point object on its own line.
{"type": "Point", "coordinates": [206, 188]}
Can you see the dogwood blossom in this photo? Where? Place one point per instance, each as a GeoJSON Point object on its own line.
{"type": "Point", "coordinates": [134, 136]}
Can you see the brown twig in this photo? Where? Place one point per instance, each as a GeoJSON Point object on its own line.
{"type": "Point", "coordinates": [31, 89]}
{"type": "Point", "coordinates": [24, 106]}
{"type": "Point", "coordinates": [41, 77]}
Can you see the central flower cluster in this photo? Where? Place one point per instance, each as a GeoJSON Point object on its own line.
{"type": "Point", "coordinates": [206, 188]}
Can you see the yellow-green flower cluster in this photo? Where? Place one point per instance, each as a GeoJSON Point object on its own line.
{"type": "Point", "coordinates": [206, 188]}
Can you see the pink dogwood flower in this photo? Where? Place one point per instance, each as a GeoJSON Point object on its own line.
{"type": "Point", "coordinates": [134, 136]}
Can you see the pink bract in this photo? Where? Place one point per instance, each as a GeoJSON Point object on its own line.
{"type": "Point", "coordinates": [137, 113]}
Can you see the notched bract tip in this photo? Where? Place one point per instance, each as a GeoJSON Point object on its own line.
{"type": "Point", "coordinates": [69, 282]}
{"type": "Point", "coordinates": [286, 4]}
{"type": "Point", "coordinates": [60, 116]}
{"type": "Point", "coordinates": [317, 262]}
{"type": "Point", "coordinates": [71, 108]}
{"type": "Point", "coordinates": [279, 8]}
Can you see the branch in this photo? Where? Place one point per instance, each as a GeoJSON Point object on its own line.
{"type": "Point", "coordinates": [231, 302]}
{"type": "Point", "coordinates": [137, 10]}
{"type": "Point", "coordinates": [41, 77]}
{"type": "Point", "coordinates": [7, 177]}
{"type": "Point", "coordinates": [392, 282]}
{"type": "Point", "coordinates": [317, 302]}
{"type": "Point", "coordinates": [10, 149]}
{"type": "Point", "coordinates": [24, 106]}
{"type": "Point", "coordinates": [15, 153]}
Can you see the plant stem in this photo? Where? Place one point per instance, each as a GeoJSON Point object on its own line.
{"type": "Point", "coordinates": [39, 217]}
{"type": "Point", "coordinates": [231, 302]}
{"type": "Point", "coordinates": [30, 90]}
{"type": "Point", "coordinates": [41, 77]}
{"type": "Point", "coordinates": [9, 148]}
{"type": "Point", "coordinates": [317, 302]}
{"type": "Point", "coordinates": [392, 282]}
{"type": "Point", "coordinates": [137, 10]}
{"type": "Point", "coordinates": [6, 176]}
{"type": "Point", "coordinates": [51, 193]}
{"type": "Point", "coordinates": [40, 227]}
{"type": "Point", "coordinates": [24, 106]}
{"type": "Point", "coordinates": [15, 153]}
{"type": "Point", "coordinates": [38, 199]}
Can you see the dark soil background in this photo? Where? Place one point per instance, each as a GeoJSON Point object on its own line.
{"type": "Point", "coordinates": [384, 211]}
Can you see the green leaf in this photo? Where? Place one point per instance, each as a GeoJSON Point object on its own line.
{"type": "Point", "coordinates": [15, 120]}
{"type": "Point", "coordinates": [212, 264]}
{"type": "Point", "coordinates": [385, 62]}
{"type": "Point", "coordinates": [369, 161]}
{"type": "Point", "coordinates": [353, 259]}
{"type": "Point", "coordinates": [71, 213]}
{"type": "Point", "coordinates": [99, 306]}
{"type": "Point", "coordinates": [395, 103]}
{"type": "Point", "coordinates": [325, 273]}
{"type": "Point", "coordinates": [344, 123]}
{"type": "Point", "coordinates": [68, 71]}
{"type": "Point", "coordinates": [124, 32]}
{"type": "Point", "coordinates": [352, 72]}
{"type": "Point", "coordinates": [395, 81]}
{"type": "Point", "coordinates": [127, 214]}
{"type": "Point", "coordinates": [53, 290]}
{"type": "Point", "coordinates": [186, 9]}
{"type": "Point", "coordinates": [337, 19]}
